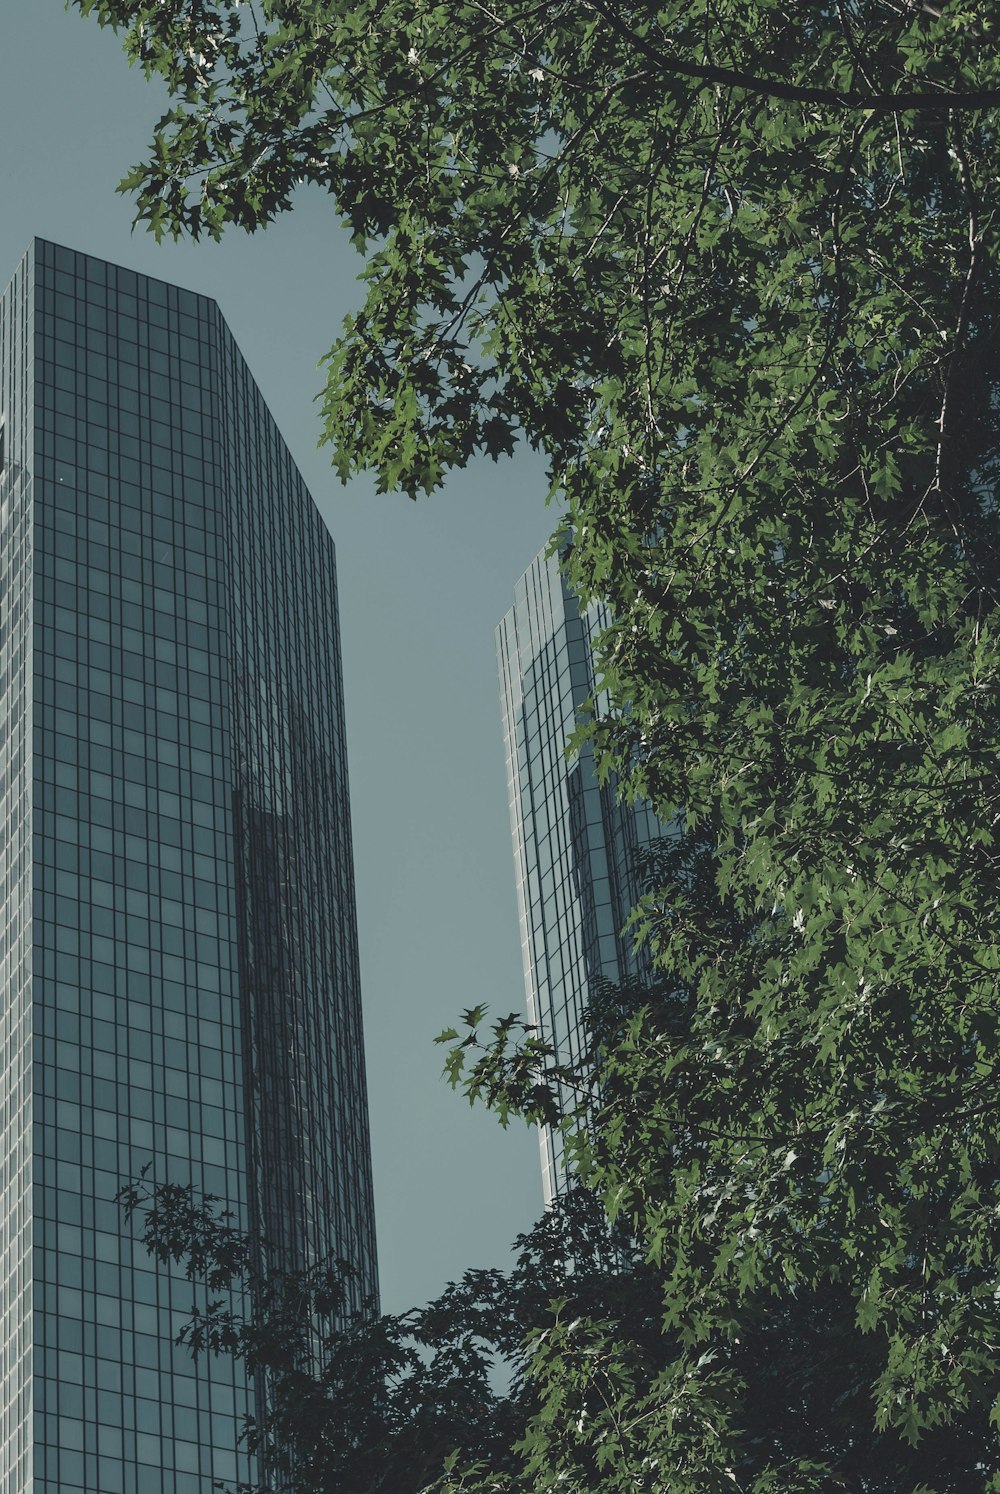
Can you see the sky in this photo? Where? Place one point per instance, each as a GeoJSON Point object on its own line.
{"type": "Point", "coordinates": [422, 586]}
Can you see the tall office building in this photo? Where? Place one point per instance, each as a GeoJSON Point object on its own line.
{"type": "Point", "coordinates": [575, 845]}
{"type": "Point", "coordinates": [180, 968]}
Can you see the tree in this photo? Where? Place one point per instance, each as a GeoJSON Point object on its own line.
{"type": "Point", "coordinates": [351, 1402]}
{"type": "Point", "coordinates": [733, 269]}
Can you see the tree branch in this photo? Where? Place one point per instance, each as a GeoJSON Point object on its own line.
{"type": "Point", "coordinates": [797, 93]}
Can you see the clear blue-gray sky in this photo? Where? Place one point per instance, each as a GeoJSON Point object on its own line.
{"type": "Point", "coordinates": [422, 586]}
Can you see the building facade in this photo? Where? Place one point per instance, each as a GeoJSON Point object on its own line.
{"type": "Point", "coordinates": [575, 845]}
{"type": "Point", "coordinates": [180, 966]}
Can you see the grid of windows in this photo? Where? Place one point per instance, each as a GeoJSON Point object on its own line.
{"type": "Point", "coordinates": [16, 508]}
{"type": "Point", "coordinates": [574, 844]}
{"type": "Point", "coordinates": [186, 679]}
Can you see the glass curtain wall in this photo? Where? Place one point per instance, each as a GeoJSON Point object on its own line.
{"type": "Point", "coordinates": [183, 811]}
{"type": "Point", "coordinates": [575, 845]}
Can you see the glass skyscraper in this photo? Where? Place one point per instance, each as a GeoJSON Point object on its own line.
{"type": "Point", "coordinates": [575, 845]}
{"type": "Point", "coordinates": [180, 967]}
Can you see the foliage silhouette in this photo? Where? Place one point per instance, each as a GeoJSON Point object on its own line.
{"type": "Point", "coordinates": [734, 271]}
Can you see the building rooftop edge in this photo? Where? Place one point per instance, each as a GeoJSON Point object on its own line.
{"type": "Point", "coordinates": [139, 274]}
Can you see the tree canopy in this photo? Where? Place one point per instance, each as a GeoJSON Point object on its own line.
{"type": "Point", "coordinates": [733, 268]}
{"type": "Point", "coordinates": [358, 1403]}
{"type": "Point", "coordinates": [554, 1374]}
